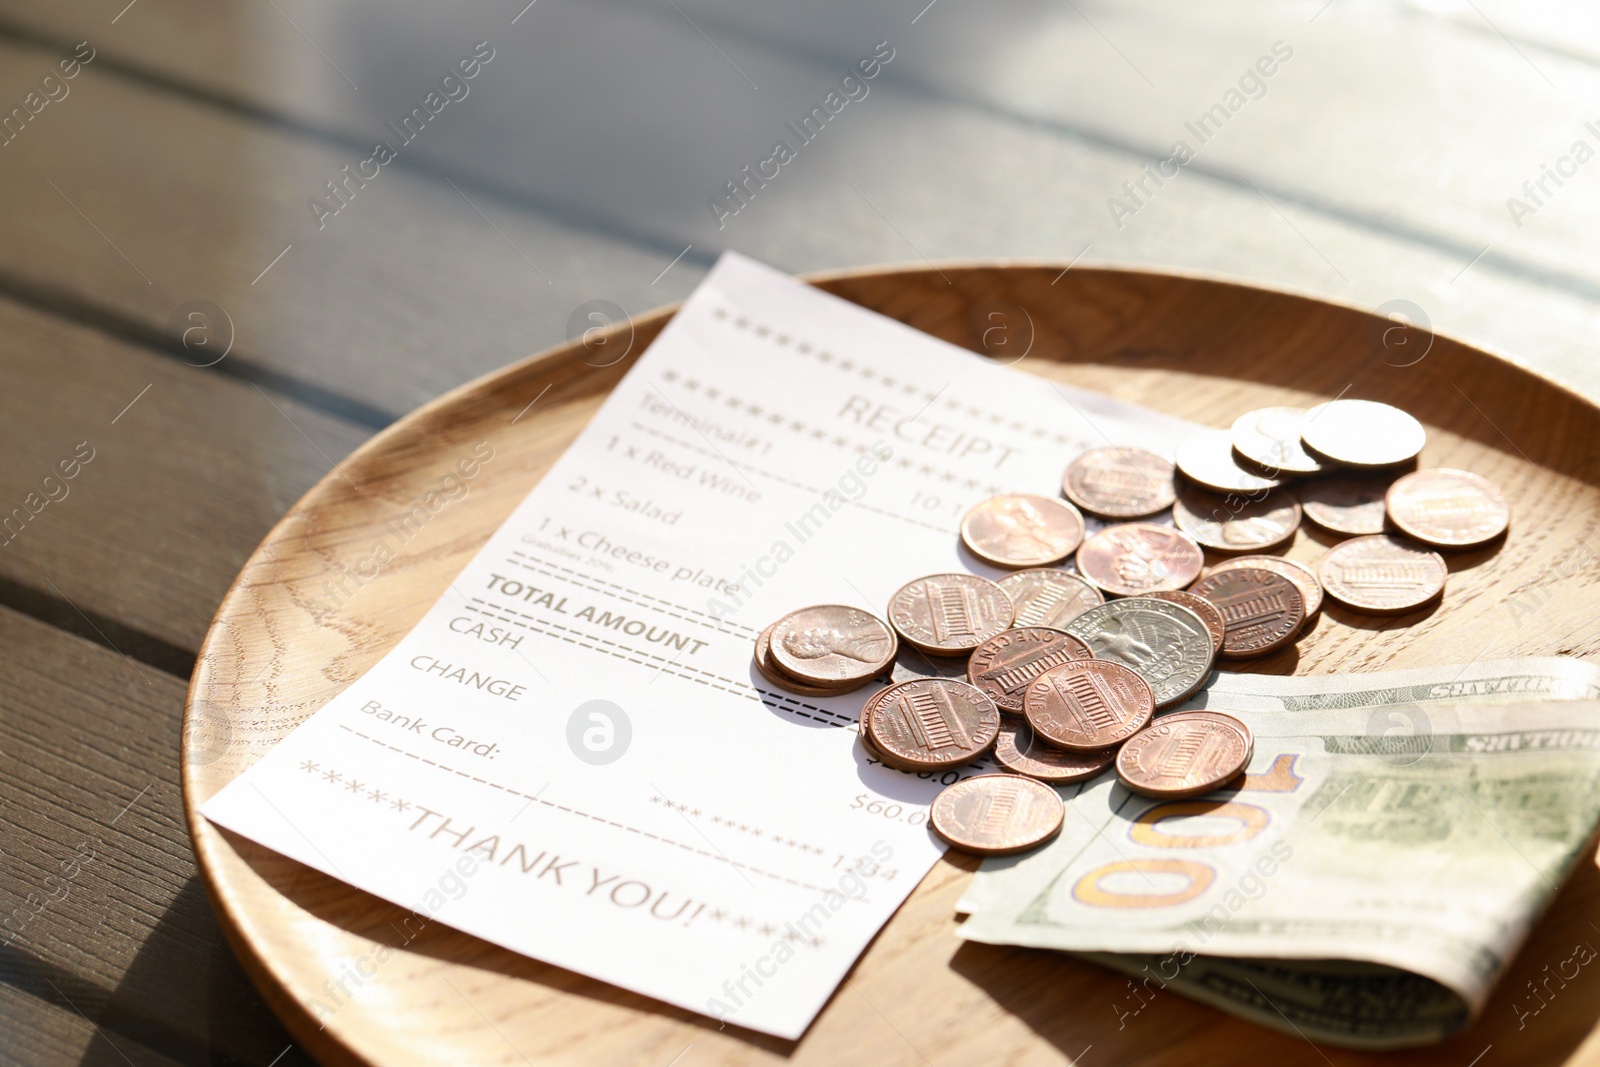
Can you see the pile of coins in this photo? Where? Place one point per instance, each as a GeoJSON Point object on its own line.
{"type": "Point", "coordinates": [1066, 669]}
{"type": "Point", "coordinates": [825, 650]}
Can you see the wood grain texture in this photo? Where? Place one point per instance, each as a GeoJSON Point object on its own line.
{"type": "Point", "coordinates": [1194, 347]}
{"type": "Point", "coordinates": [1423, 125]}
{"type": "Point", "coordinates": [1444, 91]}
{"type": "Point", "coordinates": [101, 912]}
{"type": "Point", "coordinates": [182, 199]}
{"type": "Point", "coordinates": [186, 470]}
{"type": "Point", "coordinates": [37, 1032]}
{"type": "Point", "coordinates": [228, 149]}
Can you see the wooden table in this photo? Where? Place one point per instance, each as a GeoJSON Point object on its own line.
{"type": "Point", "coordinates": [172, 177]}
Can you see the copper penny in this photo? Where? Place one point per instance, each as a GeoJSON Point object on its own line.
{"type": "Point", "coordinates": [1139, 557]}
{"type": "Point", "coordinates": [1088, 704]}
{"type": "Point", "coordinates": [1207, 459]}
{"type": "Point", "coordinates": [1185, 754]}
{"type": "Point", "coordinates": [1166, 644]}
{"type": "Point", "coordinates": [1236, 523]}
{"type": "Point", "coordinates": [950, 614]}
{"type": "Point", "coordinates": [1022, 530]}
{"type": "Point", "coordinates": [930, 723]}
{"type": "Point", "coordinates": [1118, 482]}
{"type": "Point", "coordinates": [1381, 575]}
{"type": "Point", "coordinates": [1205, 609]}
{"type": "Point", "coordinates": [1270, 438]}
{"type": "Point", "coordinates": [1448, 508]}
{"type": "Point", "coordinates": [1049, 597]}
{"type": "Point", "coordinates": [1264, 610]}
{"type": "Point", "coordinates": [770, 671]}
{"type": "Point", "coordinates": [1349, 504]}
{"type": "Point", "coordinates": [1362, 433]}
{"type": "Point", "coordinates": [997, 814]}
{"type": "Point", "coordinates": [866, 742]}
{"type": "Point", "coordinates": [1303, 577]}
{"type": "Point", "coordinates": [1004, 665]}
{"type": "Point", "coordinates": [832, 645]}
{"type": "Point", "coordinates": [1019, 751]}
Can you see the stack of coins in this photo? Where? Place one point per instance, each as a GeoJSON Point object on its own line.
{"type": "Point", "coordinates": [1070, 658]}
{"type": "Point", "coordinates": [825, 650]}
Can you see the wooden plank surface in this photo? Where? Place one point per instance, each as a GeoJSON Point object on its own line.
{"type": "Point", "coordinates": [103, 912]}
{"type": "Point", "coordinates": [179, 472]}
{"type": "Point", "coordinates": [183, 160]}
{"type": "Point", "coordinates": [128, 202]}
{"type": "Point", "coordinates": [40, 1032]}
{"type": "Point", "coordinates": [1193, 348]}
{"type": "Point", "coordinates": [1008, 184]}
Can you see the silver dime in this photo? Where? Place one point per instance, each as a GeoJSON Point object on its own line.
{"type": "Point", "coordinates": [1270, 438]}
{"type": "Point", "coordinates": [1362, 433]}
{"type": "Point", "coordinates": [1206, 458]}
{"type": "Point", "coordinates": [1168, 644]}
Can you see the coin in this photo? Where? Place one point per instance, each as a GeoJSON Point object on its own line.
{"type": "Point", "coordinates": [950, 614]}
{"type": "Point", "coordinates": [1118, 482]}
{"type": "Point", "coordinates": [1205, 609]}
{"type": "Point", "coordinates": [1381, 575]}
{"type": "Point", "coordinates": [930, 723]}
{"type": "Point", "coordinates": [1088, 704]}
{"type": "Point", "coordinates": [1168, 645]}
{"type": "Point", "coordinates": [1138, 557]}
{"type": "Point", "coordinates": [1362, 433]}
{"type": "Point", "coordinates": [1303, 577]}
{"type": "Point", "coordinates": [1185, 754]}
{"type": "Point", "coordinates": [1004, 665]}
{"type": "Point", "coordinates": [1235, 523]}
{"type": "Point", "coordinates": [1019, 751]}
{"type": "Point", "coordinates": [1206, 458]}
{"type": "Point", "coordinates": [1264, 610]}
{"type": "Point", "coordinates": [1448, 508]}
{"type": "Point", "coordinates": [866, 743]}
{"type": "Point", "coordinates": [1022, 530]}
{"type": "Point", "coordinates": [832, 645]}
{"type": "Point", "coordinates": [1350, 504]}
{"type": "Point", "coordinates": [997, 814]}
{"type": "Point", "coordinates": [771, 672]}
{"type": "Point", "coordinates": [1270, 438]}
{"type": "Point", "coordinates": [1049, 597]}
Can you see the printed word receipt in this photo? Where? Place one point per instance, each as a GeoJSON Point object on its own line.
{"type": "Point", "coordinates": [574, 739]}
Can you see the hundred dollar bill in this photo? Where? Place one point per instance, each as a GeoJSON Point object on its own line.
{"type": "Point", "coordinates": [1483, 681]}
{"type": "Point", "coordinates": [1359, 887]}
{"type": "Point", "coordinates": [1395, 701]}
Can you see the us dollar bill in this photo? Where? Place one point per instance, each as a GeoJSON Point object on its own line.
{"type": "Point", "coordinates": [1364, 885]}
{"type": "Point", "coordinates": [1479, 682]}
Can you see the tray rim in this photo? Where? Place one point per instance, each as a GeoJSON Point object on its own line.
{"type": "Point", "coordinates": [206, 839]}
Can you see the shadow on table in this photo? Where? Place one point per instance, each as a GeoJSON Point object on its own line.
{"type": "Point", "coordinates": [184, 999]}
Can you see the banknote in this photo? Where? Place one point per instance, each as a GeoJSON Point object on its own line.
{"type": "Point", "coordinates": [1362, 887]}
{"type": "Point", "coordinates": [1395, 702]}
{"type": "Point", "coordinates": [1482, 681]}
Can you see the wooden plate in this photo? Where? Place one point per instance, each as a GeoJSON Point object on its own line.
{"type": "Point", "coordinates": [336, 963]}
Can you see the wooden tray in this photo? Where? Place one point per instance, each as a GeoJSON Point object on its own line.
{"type": "Point", "coordinates": [1197, 347]}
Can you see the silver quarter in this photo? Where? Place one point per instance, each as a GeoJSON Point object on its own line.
{"type": "Point", "coordinates": [1168, 644]}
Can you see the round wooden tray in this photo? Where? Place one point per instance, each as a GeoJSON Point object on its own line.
{"type": "Point", "coordinates": [1197, 347]}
